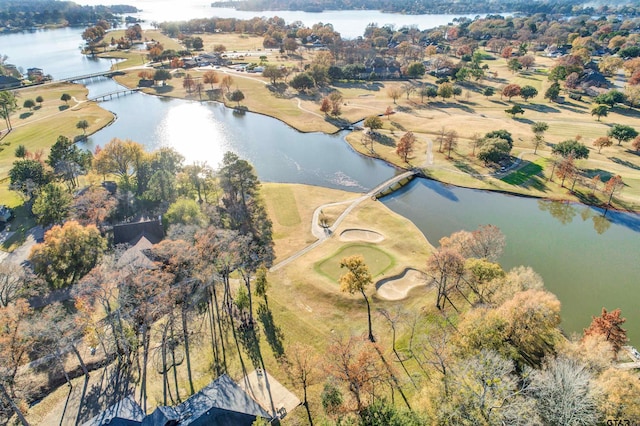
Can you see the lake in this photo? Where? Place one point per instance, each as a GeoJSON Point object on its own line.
{"type": "Point", "coordinates": [586, 261]}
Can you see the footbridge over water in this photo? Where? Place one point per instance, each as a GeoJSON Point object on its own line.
{"type": "Point", "coordinates": [107, 74]}
{"type": "Point", "coordinates": [113, 94]}
{"type": "Point", "coordinates": [393, 184]}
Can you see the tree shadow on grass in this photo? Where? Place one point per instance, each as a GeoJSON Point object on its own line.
{"type": "Point", "coordinates": [523, 120]}
{"type": "Point", "coordinates": [384, 140]}
{"type": "Point", "coordinates": [467, 168]}
{"type": "Point", "coordinates": [604, 174]}
{"type": "Point", "coordinates": [634, 113]}
{"type": "Point", "coordinates": [272, 332]}
{"type": "Point", "coordinates": [371, 86]}
{"type": "Point", "coordinates": [625, 163]}
{"type": "Point", "coordinates": [164, 89]}
{"type": "Point", "coordinates": [63, 107]}
{"type": "Point", "coordinates": [529, 175]}
{"type": "Point", "coordinates": [499, 102]}
{"type": "Point", "coordinates": [248, 337]}
{"type": "Point", "coordinates": [540, 108]}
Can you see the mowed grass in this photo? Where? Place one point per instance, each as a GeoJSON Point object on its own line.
{"type": "Point", "coordinates": [525, 173]}
{"type": "Point", "coordinates": [377, 260]}
{"type": "Point", "coordinates": [283, 196]}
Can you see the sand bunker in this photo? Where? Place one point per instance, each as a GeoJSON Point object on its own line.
{"type": "Point", "coordinates": [398, 286]}
{"type": "Point", "coordinates": [361, 235]}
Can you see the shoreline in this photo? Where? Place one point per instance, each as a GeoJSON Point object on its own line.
{"type": "Point", "coordinates": [391, 163]}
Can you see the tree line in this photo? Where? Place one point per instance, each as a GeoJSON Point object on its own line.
{"type": "Point", "coordinates": [22, 15]}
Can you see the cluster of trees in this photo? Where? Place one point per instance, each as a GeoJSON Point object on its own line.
{"type": "Point", "coordinates": [24, 15]}
{"type": "Point", "coordinates": [417, 7]}
{"type": "Point", "coordinates": [217, 227]}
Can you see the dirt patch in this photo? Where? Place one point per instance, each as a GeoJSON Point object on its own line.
{"type": "Point", "coordinates": [398, 286]}
{"type": "Point", "coordinates": [361, 235]}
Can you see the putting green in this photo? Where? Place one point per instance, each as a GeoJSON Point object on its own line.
{"type": "Point", "coordinates": [377, 260]}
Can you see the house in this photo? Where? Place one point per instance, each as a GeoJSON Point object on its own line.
{"type": "Point", "coordinates": [222, 402]}
{"type": "Point", "coordinates": [8, 82]}
{"type": "Point", "coordinates": [35, 73]}
{"type": "Point", "coordinates": [5, 214]}
{"type": "Point", "coordinates": [131, 233]}
{"type": "Point", "coordinates": [125, 412]}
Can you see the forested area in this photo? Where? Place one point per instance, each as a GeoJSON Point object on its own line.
{"type": "Point", "coordinates": [568, 7]}
{"type": "Point", "coordinates": [26, 14]}
{"type": "Point", "coordinates": [124, 302]}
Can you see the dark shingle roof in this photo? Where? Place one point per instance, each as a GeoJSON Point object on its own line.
{"type": "Point", "coordinates": [130, 233]}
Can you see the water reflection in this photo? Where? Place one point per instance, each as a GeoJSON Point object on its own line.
{"type": "Point", "coordinates": [193, 131]}
{"type": "Point", "coordinates": [564, 211]}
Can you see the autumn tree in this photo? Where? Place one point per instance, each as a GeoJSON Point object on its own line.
{"type": "Point", "coordinates": [620, 389]}
{"type": "Point", "coordinates": [510, 90]}
{"type": "Point", "coordinates": [355, 280]}
{"type": "Point", "coordinates": [93, 206]}
{"type": "Point", "coordinates": [450, 142]}
{"type": "Point", "coordinates": [394, 92]}
{"type": "Point", "coordinates": [406, 145]}
{"type": "Point", "coordinates": [484, 390]}
{"type": "Point", "coordinates": [608, 324]}
{"type": "Point", "coordinates": [121, 158]}
{"type": "Point", "coordinates": [227, 82]}
{"type": "Point", "coordinates": [636, 144]}
{"type": "Point", "coordinates": [613, 185]}
{"type": "Point", "coordinates": [16, 342]}
{"type": "Point", "coordinates": [445, 267]}
{"type": "Point", "coordinates": [325, 106]}
{"type": "Point", "coordinates": [210, 77]}
{"type": "Point", "coordinates": [602, 142]}
{"type": "Point", "coordinates": [303, 367]}
{"type": "Point", "coordinates": [355, 363]}
{"type": "Point", "coordinates": [67, 253]}
{"type": "Point", "coordinates": [566, 168]}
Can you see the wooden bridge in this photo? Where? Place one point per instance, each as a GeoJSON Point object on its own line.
{"type": "Point", "coordinates": [110, 95]}
{"type": "Point", "coordinates": [393, 184]}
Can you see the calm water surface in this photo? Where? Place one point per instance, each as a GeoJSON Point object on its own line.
{"type": "Point", "coordinates": [587, 261]}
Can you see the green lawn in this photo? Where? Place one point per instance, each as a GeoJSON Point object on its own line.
{"type": "Point", "coordinates": [283, 196]}
{"type": "Point", "coordinates": [377, 260]}
{"type": "Point", "coordinates": [523, 174]}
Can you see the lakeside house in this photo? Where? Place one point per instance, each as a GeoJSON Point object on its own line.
{"type": "Point", "coordinates": [222, 402]}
